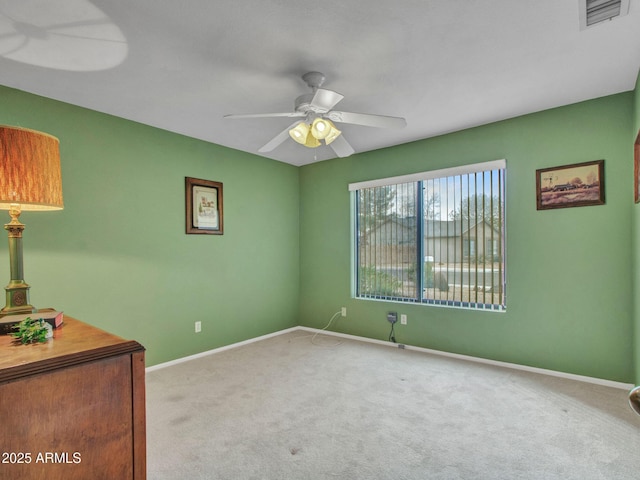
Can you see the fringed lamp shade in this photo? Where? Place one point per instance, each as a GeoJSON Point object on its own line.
{"type": "Point", "coordinates": [29, 170]}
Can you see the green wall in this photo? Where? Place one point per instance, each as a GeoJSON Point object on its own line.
{"type": "Point", "coordinates": [569, 280]}
{"type": "Point", "coordinates": [118, 257]}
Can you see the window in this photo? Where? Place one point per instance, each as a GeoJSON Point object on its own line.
{"type": "Point", "coordinates": [435, 237]}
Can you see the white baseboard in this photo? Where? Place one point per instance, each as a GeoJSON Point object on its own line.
{"type": "Point", "coordinates": [514, 366]}
{"type": "Point", "coordinates": [219, 349]}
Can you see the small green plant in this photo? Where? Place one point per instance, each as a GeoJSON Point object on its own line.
{"type": "Point", "coordinates": [31, 331]}
{"type": "Point", "coordinates": [374, 282]}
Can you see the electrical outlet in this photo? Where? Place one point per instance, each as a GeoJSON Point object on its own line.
{"type": "Point", "coordinates": [198, 327]}
{"type": "Point", "coordinates": [403, 319]}
{"type": "Point", "coordinates": [344, 311]}
{"type": "Point", "coordinates": [392, 317]}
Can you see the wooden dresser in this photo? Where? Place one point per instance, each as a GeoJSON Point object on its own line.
{"type": "Point", "coordinates": [72, 408]}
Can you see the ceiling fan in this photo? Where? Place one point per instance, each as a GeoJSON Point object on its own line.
{"type": "Point", "coordinates": [316, 110]}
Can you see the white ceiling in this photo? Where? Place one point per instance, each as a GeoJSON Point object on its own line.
{"type": "Point", "coordinates": [443, 65]}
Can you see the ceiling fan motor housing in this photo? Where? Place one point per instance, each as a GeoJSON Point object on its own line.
{"type": "Point", "coordinates": [303, 104]}
{"type": "Point", "coordinates": [314, 79]}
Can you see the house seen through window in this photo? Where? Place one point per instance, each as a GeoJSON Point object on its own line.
{"type": "Point", "coordinates": [435, 237]}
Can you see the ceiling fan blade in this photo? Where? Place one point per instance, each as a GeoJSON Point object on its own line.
{"type": "Point", "coordinates": [325, 99]}
{"type": "Point", "coordinates": [278, 139]}
{"type": "Point", "coordinates": [368, 120]}
{"type": "Point", "coordinates": [265, 115]}
{"type": "Point", "coordinates": [341, 147]}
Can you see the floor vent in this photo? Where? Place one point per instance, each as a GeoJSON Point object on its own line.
{"type": "Point", "coordinates": [593, 12]}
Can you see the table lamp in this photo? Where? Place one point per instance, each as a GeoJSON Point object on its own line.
{"type": "Point", "coordinates": [30, 179]}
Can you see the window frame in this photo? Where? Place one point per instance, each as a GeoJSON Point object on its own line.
{"type": "Point", "coordinates": [493, 243]}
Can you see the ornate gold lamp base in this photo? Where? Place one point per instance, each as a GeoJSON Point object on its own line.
{"type": "Point", "coordinates": [17, 300]}
{"type": "Point", "coordinates": [17, 290]}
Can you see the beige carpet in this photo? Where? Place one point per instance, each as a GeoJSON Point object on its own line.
{"type": "Point", "coordinates": [287, 408]}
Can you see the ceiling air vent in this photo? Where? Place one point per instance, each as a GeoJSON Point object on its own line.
{"type": "Point", "coordinates": [596, 11]}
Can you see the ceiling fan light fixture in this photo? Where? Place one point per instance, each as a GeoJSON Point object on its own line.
{"type": "Point", "coordinates": [320, 128]}
{"type": "Point", "coordinates": [300, 133]}
{"type": "Point", "coordinates": [332, 135]}
{"type": "Point", "coordinates": [312, 142]}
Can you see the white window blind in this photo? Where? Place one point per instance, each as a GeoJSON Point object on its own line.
{"type": "Point", "coordinates": [434, 237]}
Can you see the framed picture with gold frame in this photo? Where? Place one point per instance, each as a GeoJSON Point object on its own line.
{"type": "Point", "coordinates": [204, 213]}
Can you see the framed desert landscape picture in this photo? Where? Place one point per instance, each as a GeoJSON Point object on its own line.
{"type": "Point", "coordinates": [576, 185]}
